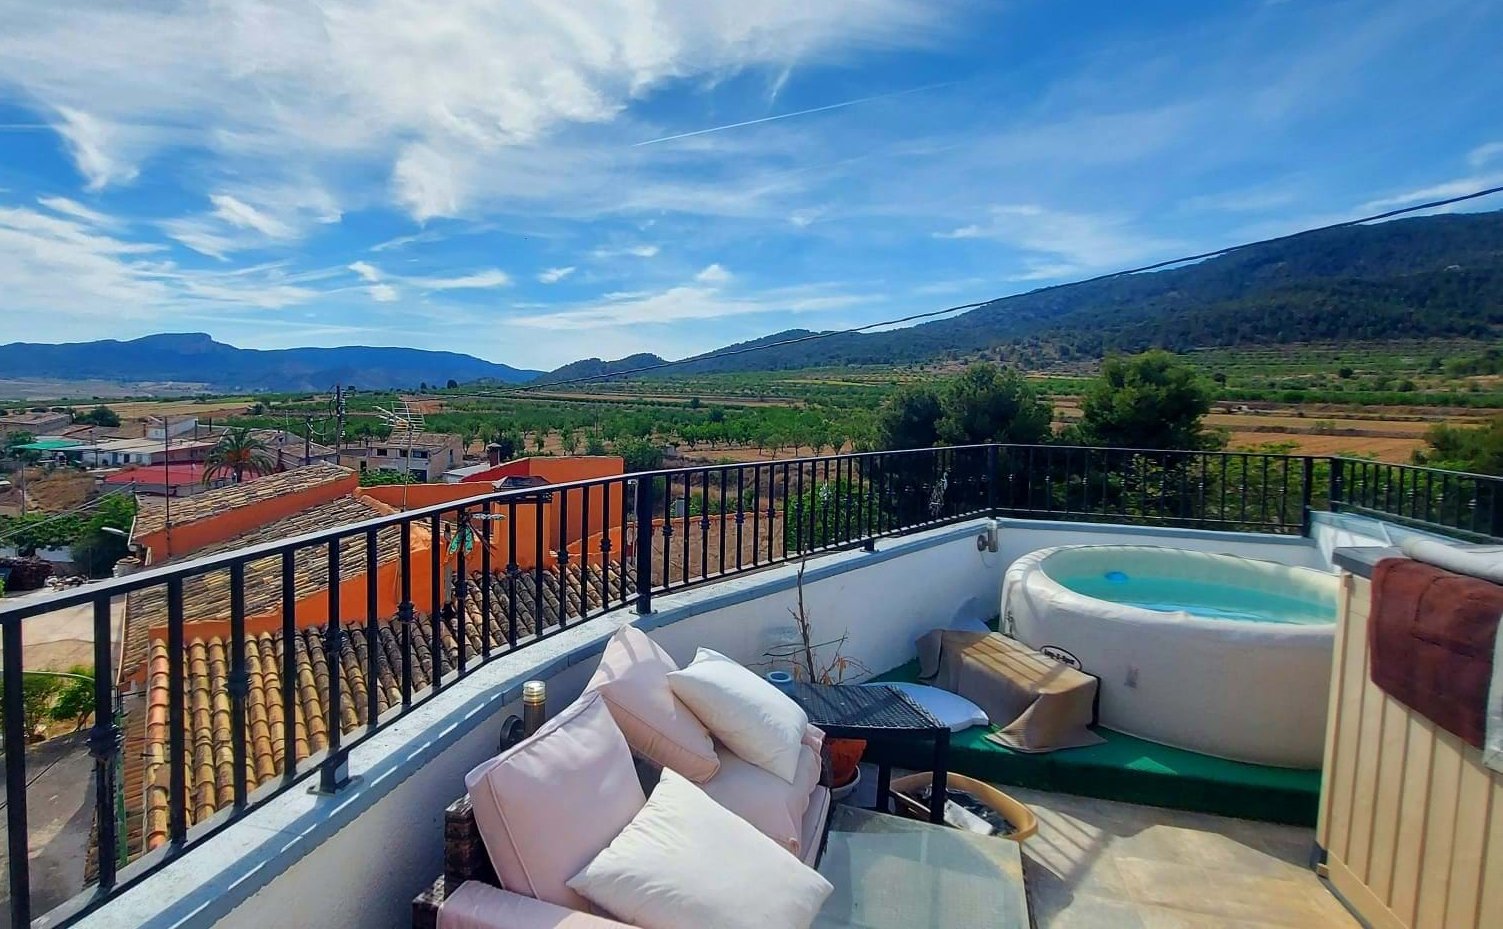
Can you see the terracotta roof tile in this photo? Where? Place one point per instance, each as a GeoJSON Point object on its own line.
{"type": "Point", "coordinates": [207, 596]}
{"type": "Point", "coordinates": [209, 765]}
{"type": "Point", "coordinates": [224, 499]}
{"type": "Point", "coordinates": [403, 438]}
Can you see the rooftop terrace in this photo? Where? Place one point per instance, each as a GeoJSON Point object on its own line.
{"type": "Point", "coordinates": [192, 815]}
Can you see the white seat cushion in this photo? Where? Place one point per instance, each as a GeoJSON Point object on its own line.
{"type": "Point", "coordinates": [765, 800]}
{"type": "Point", "coordinates": [685, 862]}
{"type": "Point", "coordinates": [812, 834]}
{"type": "Point", "coordinates": [754, 719]}
{"type": "Point", "coordinates": [550, 804]}
{"type": "Point", "coordinates": [633, 678]}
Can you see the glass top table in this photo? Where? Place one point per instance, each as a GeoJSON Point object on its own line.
{"type": "Point", "coordinates": [896, 873]}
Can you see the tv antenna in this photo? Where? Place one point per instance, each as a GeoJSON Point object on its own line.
{"type": "Point", "coordinates": [406, 416]}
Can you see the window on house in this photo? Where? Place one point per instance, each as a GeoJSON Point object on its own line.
{"type": "Point", "coordinates": [381, 452]}
{"type": "Point", "coordinates": [417, 454]}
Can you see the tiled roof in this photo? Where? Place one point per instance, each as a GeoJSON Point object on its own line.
{"type": "Point", "coordinates": [291, 445]}
{"type": "Point", "coordinates": [401, 438]}
{"type": "Point", "coordinates": [207, 596]}
{"type": "Point", "coordinates": [224, 499]}
{"type": "Point", "coordinates": [210, 758]}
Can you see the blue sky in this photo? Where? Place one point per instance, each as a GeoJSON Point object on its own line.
{"type": "Point", "coordinates": [534, 181]}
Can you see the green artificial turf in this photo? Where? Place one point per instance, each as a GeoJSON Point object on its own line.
{"type": "Point", "coordinates": [1125, 768]}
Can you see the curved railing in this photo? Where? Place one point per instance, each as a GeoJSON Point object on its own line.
{"type": "Point", "coordinates": [245, 671]}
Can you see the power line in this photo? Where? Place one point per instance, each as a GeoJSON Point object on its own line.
{"type": "Point", "coordinates": [915, 317]}
{"type": "Point", "coordinates": [66, 513]}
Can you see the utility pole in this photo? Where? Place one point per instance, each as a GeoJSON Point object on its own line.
{"type": "Point", "coordinates": [166, 479]}
{"type": "Point", "coordinates": [339, 409]}
{"type": "Point", "coordinates": [307, 439]}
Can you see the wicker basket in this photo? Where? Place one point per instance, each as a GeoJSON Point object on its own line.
{"type": "Point", "coordinates": [906, 802]}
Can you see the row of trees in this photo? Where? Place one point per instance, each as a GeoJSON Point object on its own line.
{"type": "Point", "coordinates": [93, 548]}
{"type": "Point", "coordinates": [1147, 401]}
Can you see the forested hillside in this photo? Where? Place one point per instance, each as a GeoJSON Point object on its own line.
{"type": "Point", "coordinates": [1422, 278]}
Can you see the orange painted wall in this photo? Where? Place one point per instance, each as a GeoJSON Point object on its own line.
{"type": "Point", "coordinates": [421, 495]}
{"type": "Point", "coordinates": [313, 610]}
{"type": "Point", "coordinates": [185, 538]}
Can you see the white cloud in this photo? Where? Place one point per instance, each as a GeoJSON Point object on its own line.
{"type": "Point", "coordinates": [1057, 243]}
{"type": "Point", "coordinates": [238, 213]}
{"type": "Point", "coordinates": [554, 275]}
{"type": "Point", "coordinates": [1483, 154]}
{"type": "Point", "coordinates": [66, 272]}
{"type": "Point", "coordinates": [273, 215]}
{"type": "Point", "coordinates": [630, 251]}
{"type": "Point", "coordinates": [686, 302]}
{"type": "Point", "coordinates": [428, 96]}
{"type": "Point", "coordinates": [714, 275]}
{"type": "Point", "coordinates": [402, 241]}
{"type": "Point", "coordinates": [76, 210]}
{"type": "Point", "coordinates": [383, 293]}
{"type": "Point", "coordinates": [804, 218]}
{"type": "Point", "coordinates": [366, 270]}
{"type": "Point", "coordinates": [477, 280]}
{"type": "Point", "coordinates": [1456, 188]}
{"type": "Point", "coordinates": [97, 148]}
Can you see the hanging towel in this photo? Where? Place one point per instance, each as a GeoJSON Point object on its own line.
{"type": "Point", "coordinates": [1432, 637]}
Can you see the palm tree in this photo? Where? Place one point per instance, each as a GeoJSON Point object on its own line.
{"type": "Point", "coordinates": [238, 453]}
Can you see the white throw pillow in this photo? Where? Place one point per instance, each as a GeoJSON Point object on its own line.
{"type": "Point", "coordinates": [952, 709]}
{"type": "Point", "coordinates": [685, 862]}
{"type": "Point", "coordinates": [754, 719]}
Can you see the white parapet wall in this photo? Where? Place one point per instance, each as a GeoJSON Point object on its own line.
{"type": "Point", "coordinates": [356, 859]}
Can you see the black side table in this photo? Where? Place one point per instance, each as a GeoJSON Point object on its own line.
{"type": "Point", "coordinates": [879, 713]}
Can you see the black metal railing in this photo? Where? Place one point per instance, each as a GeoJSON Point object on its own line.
{"type": "Point", "coordinates": [1454, 503]}
{"type": "Point", "coordinates": [243, 672]}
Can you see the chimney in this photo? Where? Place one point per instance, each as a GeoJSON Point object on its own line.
{"type": "Point", "coordinates": [493, 453]}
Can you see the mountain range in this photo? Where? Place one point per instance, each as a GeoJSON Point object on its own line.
{"type": "Point", "coordinates": [195, 358]}
{"type": "Point", "coordinates": [1426, 277]}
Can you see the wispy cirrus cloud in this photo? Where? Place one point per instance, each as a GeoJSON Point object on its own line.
{"type": "Point", "coordinates": [1485, 154]}
{"type": "Point", "coordinates": [66, 267]}
{"type": "Point", "coordinates": [1056, 243]}
{"type": "Point", "coordinates": [76, 210]}
{"type": "Point", "coordinates": [628, 251]}
{"type": "Point", "coordinates": [554, 275]}
{"type": "Point", "coordinates": [704, 297]}
{"type": "Point", "coordinates": [385, 287]}
{"type": "Point", "coordinates": [429, 100]}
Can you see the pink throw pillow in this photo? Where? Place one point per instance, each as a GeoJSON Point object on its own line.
{"type": "Point", "coordinates": [549, 805]}
{"type": "Point", "coordinates": [765, 800]}
{"type": "Point", "coordinates": [814, 737]}
{"type": "Point", "coordinates": [633, 679]}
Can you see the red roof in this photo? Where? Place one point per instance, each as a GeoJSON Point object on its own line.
{"type": "Point", "coordinates": [177, 474]}
{"type": "Point", "coordinates": [517, 467]}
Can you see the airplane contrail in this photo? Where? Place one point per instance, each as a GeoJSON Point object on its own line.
{"type": "Point", "coordinates": [817, 109]}
{"type": "Point", "coordinates": [23, 127]}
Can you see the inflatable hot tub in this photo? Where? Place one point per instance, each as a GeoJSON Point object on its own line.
{"type": "Point", "coordinates": [1219, 654]}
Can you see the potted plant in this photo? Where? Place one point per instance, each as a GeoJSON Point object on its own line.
{"type": "Point", "coordinates": [824, 663]}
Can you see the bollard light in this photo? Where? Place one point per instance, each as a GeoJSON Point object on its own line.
{"type": "Point", "coordinates": [534, 705]}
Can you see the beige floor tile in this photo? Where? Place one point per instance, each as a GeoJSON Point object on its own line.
{"type": "Point", "coordinates": [1218, 893]}
{"type": "Point", "coordinates": [1099, 863]}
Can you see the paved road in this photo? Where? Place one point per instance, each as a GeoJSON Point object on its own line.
{"type": "Point", "coordinates": [60, 814]}
{"type": "Point", "coordinates": [58, 640]}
